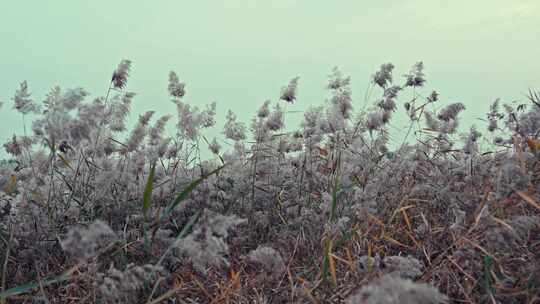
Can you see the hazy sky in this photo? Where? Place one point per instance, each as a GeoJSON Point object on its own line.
{"type": "Point", "coordinates": [240, 53]}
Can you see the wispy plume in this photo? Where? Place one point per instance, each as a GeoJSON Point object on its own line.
{"type": "Point", "coordinates": [121, 74]}
{"type": "Point", "coordinates": [137, 135]}
{"type": "Point", "coordinates": [176, 88]}
{"type": "Point", "coordinates": [22, 101]}
{"type": "Point", "coordinates": [85, 243]}
{"type": "Point", "coordinates": [119, 111]}
{"type": "Point", "coordinates": [416, 76]}
{"type": "Point", "coordinates": [288, 93]}
{"type": "Point", "coordinates": [383, 76]}
{"type": "Point", "coordinates": [233, 129]}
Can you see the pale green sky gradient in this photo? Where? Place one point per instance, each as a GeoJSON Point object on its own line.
{"type": "Point", "coordinates": [240, 53]}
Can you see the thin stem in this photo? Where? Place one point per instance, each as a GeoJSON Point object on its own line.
{"type": "Point", "coordinates": [4, 268]}
{"type": "Point", "coordinates": [28, 150]}
{"type": "Point", "coordinates": [102, 119]}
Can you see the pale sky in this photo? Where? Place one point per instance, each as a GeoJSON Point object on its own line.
{"type": "Point", "coordinates": [240, 53]}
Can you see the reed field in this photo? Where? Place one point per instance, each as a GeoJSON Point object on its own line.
{"type": "Point", "coordinates": [331, 210]}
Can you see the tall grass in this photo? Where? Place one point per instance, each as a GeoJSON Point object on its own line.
{"type": "Point", "coordinates": [330, 211]}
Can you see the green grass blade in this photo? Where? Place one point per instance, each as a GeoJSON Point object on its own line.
{"type": "Point", "coordinates": [181, 235]}
{"type": "Point", "coordinates": [488, 283]}
{"type": "Point", "coordinates": [185, 193]}
{"type": "Point", "coordinates": [336, 189]}
{"type": "Point", "coordinates": [220, 158]}
{"type": "Point", "coordinates": [29, 286]}
{"type": "Point", "coordinates": [334, 200]}
{"type": "Point", "coordinates": [147, 197]}
{"type": "Point", "coordinates": [326, 262]}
